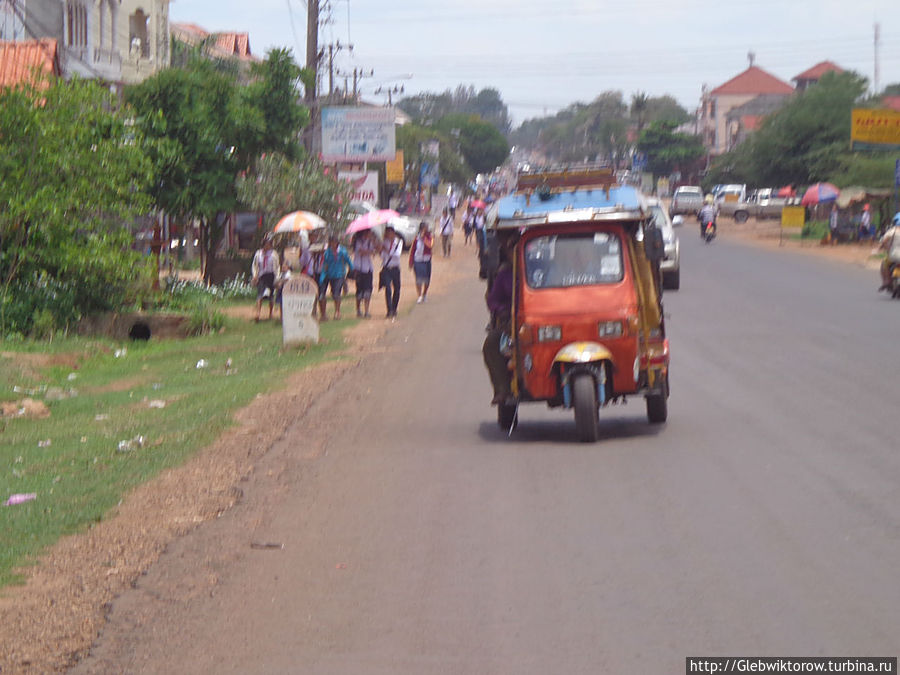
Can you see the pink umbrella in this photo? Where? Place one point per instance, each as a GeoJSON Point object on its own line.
{"type": "Point", "coordinates": [477, 204]}
{"type": "Point", "coordinates": [297, 221]}
{"type": "Point", "coordinates": [371, 219]}
{"type": "Point", "coordinates": [819, 193]}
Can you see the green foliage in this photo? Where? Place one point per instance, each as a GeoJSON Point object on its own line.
{"type": "Point", "coordinates": [276, 186]}
{"type": "Point", "coordinates": [428, 109]}
{"type": "Point", "coordinates": [205, 319]}
{"type": "Point", "coordinates": [482, 146]}
{"type": "Point", "coordinates": [872, 170]}
{"type": "Point", "coordinates": [667, 149]}
{"type": "Point", "coordinates": [597, 130]}
{"type": "Point", "coordinates": [73, 172]}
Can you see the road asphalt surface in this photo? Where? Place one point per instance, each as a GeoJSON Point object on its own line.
{"type": "Point", "coordinates": [413, 537]}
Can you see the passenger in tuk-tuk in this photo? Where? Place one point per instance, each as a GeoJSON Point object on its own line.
{"type": "Point", "coordinates": [499, 299]}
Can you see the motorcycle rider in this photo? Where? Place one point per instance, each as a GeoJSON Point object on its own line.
{"type": "Point", "coordinates": [708, 214]}
{"type": "Point", "coordinates": [890, 242]}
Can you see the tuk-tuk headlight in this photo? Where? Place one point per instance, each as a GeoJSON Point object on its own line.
{"type": "Point", "coordinates": [610, 329]}
{"type": "Point", "coordinates": [549, 333]}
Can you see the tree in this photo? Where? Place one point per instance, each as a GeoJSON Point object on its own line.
{"type": "Point", "coordinates": [73, 175]}
{"type": "Point", "coordinates": [411, 138]}
{"type": "Point", "coordinates": [482, 146]}
{"type": "Point", "coordinates": [668, 150]}
{"type": "Point", "coordinates": [639, 107]}
{"type": "Point", "coordinates": [211, 128]}
{"type": "Point", "coordinates": [276, 186]}
{"type": "Point", "coordinates": [428, 108]}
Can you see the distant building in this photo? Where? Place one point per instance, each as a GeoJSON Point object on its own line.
{"type": "Point", "coordinates": [717, 103]}
{"type": "Point", "coordinates": [810, 77]}
{"type": "Point", "coordinates": [743, 120]}
{"type": "Point", "coordinates": [119, 42]}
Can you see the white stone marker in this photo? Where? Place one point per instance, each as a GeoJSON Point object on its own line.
{"type": "Point", "coordinates": [298, 298]}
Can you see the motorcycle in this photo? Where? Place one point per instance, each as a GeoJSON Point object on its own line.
{"type": "Point", "coordinates": [709, 231]}
{"type": "Point", "coordinates": [895, 282]}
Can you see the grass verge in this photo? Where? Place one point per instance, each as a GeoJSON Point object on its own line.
{"type": "Point", "coordinates": [119, 414]}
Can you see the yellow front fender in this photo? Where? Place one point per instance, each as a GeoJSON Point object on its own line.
{"type": "Point", "coordinates": [582, 352]}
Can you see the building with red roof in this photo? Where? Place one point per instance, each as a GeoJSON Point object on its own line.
{"type": "Point", "coordinates": [814, 74]}
{"type": "Point", "coordinates": [717, 103]}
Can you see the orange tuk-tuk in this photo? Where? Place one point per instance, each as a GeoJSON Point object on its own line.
{"type": "Point", "coordinates": [586, 326]}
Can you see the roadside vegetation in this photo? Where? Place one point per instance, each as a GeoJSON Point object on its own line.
{"type": "Point", "coordinates": [104, 417]}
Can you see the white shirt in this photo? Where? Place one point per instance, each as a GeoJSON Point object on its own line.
{"type": "Point", "coordinates": [391, 251]}
{"type": "Point", "coordinates": [891, 240]}
{"type": "Point", "coordinates": [446, 225]}
{"type": "Point", "coordinates": [362, 255]}
{"type": "Point", "coordinates": [265, 262]}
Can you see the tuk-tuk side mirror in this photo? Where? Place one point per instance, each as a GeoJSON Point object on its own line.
{"type": "Point", "coordinates": [654, 246]}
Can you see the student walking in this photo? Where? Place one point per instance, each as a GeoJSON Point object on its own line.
{"type": "Point", "coordinates": [446, 230]}
{"type": "Point", "coordinates": [363, 248]}
{"type": "Point", "coordinates": [389, 279]}
{"type": "Point", "coordinates": [420, 261]}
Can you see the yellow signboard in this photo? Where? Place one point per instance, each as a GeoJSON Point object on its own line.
{"type": "Point", "coordinates": [875, 128]}
{"type": "Point", "coordinates": [393, 169]}
{"type": "Point", "coordinates": [793, 217]}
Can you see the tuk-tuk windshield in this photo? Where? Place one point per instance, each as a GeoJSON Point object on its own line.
{"type": "Point", "coordinates": [577, 259]}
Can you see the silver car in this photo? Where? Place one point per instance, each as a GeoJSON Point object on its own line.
{"type": "Point", "coordinates": [670, 266]}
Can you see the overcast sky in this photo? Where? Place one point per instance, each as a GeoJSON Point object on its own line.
{"type": "Point", "coordinates": [543, 55]}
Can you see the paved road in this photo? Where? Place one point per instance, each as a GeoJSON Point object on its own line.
{"type": "Point", "coordinates": [763, 519]}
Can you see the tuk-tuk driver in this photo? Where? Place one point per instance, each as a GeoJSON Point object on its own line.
{"type": "Point", "coordinates": [499, 302]}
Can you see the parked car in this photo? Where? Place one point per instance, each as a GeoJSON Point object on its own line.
{"type": "Point", "coordinates": [762, 203]}
{"type": "Point", "coordinates": [688, 199]}
{"type": "Point", "coordinates": [670, 265]}
{"type": "Point", "coordinates": [406, 227]}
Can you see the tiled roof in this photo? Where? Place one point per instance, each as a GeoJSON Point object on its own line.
{"type": "Point", "coordinates": [18, 60]}
{"type": "Point", "coordinates": [228, 44]}
{"type": "Point", "coordinates": [818, 71]}
{"type": "Point", "coordinates": [754, 80]}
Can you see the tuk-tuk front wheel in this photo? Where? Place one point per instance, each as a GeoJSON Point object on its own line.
{"type": "Point", "coordinates": [657, 408]}
{"type": "Point", "coordinates": [587, 418]}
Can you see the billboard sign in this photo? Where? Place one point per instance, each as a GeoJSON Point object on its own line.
{"type": "Point", "coordinates": [394, 169]}
{"type": "Point", "coordinates": [365, 185]}
{"type": "Point", "coordinates": [358, 134]}
{"type": "Point", "coordinates": [875, 129]}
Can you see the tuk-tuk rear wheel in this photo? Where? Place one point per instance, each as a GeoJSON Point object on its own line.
{"type": "Point", "coordinates": [657, 408]}
{"type": "Point", "coordinates": [587, 418]}
{"type": "Point", "coordinates": [506, 415]}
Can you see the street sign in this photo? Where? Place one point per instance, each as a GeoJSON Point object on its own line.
{"type": "Point", "coordinates": [298, 298]}
{"type": "Point", "coordinates": [358, 134]}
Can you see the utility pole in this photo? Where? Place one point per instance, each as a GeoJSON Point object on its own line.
{"type": "Point", "coordinates": [312, 63]}
{"type": "Point", "coordinates": [876, 89]}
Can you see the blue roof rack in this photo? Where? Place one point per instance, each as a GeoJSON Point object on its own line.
{"type": "Point", "coordinates": [570, 196]}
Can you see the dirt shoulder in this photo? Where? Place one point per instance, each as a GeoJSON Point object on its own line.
{"type": "Point", "coordinates": [49, 623]}
{"type": "Point", "coordinates": [767, 234]}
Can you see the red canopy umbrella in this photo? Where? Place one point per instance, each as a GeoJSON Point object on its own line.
{"type": "Point", "coordinates": [819, 194]}
{"type": "Point", "coordinates": [477, 204]}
